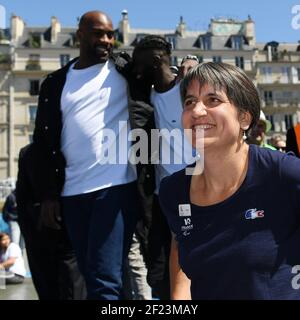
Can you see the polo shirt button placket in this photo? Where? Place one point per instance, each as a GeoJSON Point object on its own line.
{"type": "Point", "coordinates": [46, 127]}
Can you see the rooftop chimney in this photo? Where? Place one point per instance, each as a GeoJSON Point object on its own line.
{"type": "Point", "coordinates": [17, 27]}
{"type": "Point", "coordinates": [181, 28]}
{"type": "Point", "coordinates": [124, 27]}
{"type": "Point", "coordinates": [55, 29]}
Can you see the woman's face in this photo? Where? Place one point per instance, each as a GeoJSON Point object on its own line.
{"type": "Point", "coordinates": [214, 121]}
{"type": "Point", "coordinates": [4, 242]}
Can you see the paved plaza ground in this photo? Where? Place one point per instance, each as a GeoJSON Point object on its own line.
{"type": "Point", "coordinates": [24, 291]}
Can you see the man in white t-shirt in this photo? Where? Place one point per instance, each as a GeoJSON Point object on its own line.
{"type": "Point", "coordinates": [81, 133]}
{"type": "Point", "coordinates": [151, 58]}
{"type": "Point", "coordinates": [11, 261]}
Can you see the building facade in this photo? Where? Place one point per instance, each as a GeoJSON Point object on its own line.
{"type": "Point", "coordinates": [278, 81]}
{"type": "Point", "coordinates": [27, 54]}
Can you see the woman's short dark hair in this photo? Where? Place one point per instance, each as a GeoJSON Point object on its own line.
{"type": "Point", "coordinates": [238, 87]}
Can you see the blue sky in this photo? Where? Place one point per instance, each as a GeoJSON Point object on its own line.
{"type": "Point", "coordinates": [272, 18]}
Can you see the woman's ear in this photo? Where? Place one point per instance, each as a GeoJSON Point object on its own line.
{"type": "Point", "coordinates": [245, 120]}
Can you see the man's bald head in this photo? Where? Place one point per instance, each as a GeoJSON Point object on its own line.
{"type": "Point", "coordinates": [90, 18]}
{"type": "Point", "coordinates": [96, 37]}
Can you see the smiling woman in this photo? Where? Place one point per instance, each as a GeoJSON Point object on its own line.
{"type": "Point", "coordinates": [220, 103]}
{"type": "Point", "coordinates": [232, 238]}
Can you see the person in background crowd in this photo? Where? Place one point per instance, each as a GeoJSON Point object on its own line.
{"type": "Point", "coordinates": [278, 143]}
{"type": "Point", "coordinates": [188, 62]}
{"type": "Point", "coordinates": [258, 133]}
{"type": "Point", "coordinates": [10, 216]}
{"type": "Point", "coordinates": [151, 59]}
{"type": "Point", "coordinates": [51, 258]}
{"type": "Point", "coordinates": [11, 261]}
{"type": "Point", "coordinates": [135, 276]}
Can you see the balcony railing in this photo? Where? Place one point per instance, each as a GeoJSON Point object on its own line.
{"type": "Point", "coordinates": [281, 103]}
{"type": "Point", "coordinates": [33, 65]}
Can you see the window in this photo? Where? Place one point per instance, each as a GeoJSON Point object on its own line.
{"type": "Point", "coordinates": [33, 62]}
{"type": "Point", "coordinates": [30, 138]}
{"type": "Point", "coordinates": [32, 113]}
{"type": "Point", "coordinates": [287, 96]}
{"type": "Point", "coordinates": [64, 59]}
{"type": "Point", "coordinates": [205, 42]}
{"type": "Point", "coordinates": [34, 40]}
{"type": "Point", "coordinates": [274, 53]}
{"type": "Point", "coordinates": [285, 76]}
{"type": "Point", "coordinates": [268, 96]}
{"type": "Point", "coordinates": [172, 40]}
{"type": "Point", "coordinates": [239, 62]}
{"type": "Point", "coordinates": [266, 74]}
{"type": "Point", "coordinates": [272, 50]}
{"type": "Point", "coordinates": [139, 37]}
{"type": "Point", "coordinates": [74, 42]}
{"type": "Point", "coordinates": [236, 42]}
{"type": "Point", "coordinates": [217, 59]}
{"type": "Point", "coordinates": [174, 61]}
{"type": "Point", "coordinates": [288, 119]}
{"type": "Point", "coordinates": [34, 87]}
{"type": "Point", "coordinates": [298, 72]}
{"type": "Point", "coordinates": [200, 58]}
{"type": "Point", "coordinates": [271, 119]}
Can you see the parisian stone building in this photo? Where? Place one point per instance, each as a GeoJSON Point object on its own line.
{"type": "Point", "coordinates": [27, 54]}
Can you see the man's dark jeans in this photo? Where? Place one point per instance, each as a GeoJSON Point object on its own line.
{"type": "Point", "coordinates": [101, 225]}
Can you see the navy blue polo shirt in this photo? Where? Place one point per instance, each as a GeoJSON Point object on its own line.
{"type": "Point", "coordinates": [246, 246]}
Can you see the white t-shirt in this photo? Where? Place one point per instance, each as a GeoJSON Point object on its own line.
{"type": "Point", "coordinates": [14, 251]}
{"type": "Point", "coordinates": [94, 107]}
{"type": "Point", "coordinates": [167, 113]}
